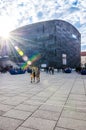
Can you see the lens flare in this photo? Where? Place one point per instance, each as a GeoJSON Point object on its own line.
{"type": "Point", "coordinates": [28, 61]}
{"type": "Point", "coordinates": [20, 52]}
{"type": "Point", "coordinates": [25, 58]}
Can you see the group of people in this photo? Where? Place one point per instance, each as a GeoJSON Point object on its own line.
{"type": "Point", "coordinates": [50, 70]}
{"type": "Point", "coordinates": [35, 74]}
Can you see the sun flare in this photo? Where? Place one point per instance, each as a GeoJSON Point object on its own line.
{"type": "Point", "coordinates": [4, 34]}
{"type": "Point", "coordinates": [5, 27]}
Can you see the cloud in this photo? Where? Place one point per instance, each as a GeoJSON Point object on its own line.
{"type": "Point", "coordinates": [23, 12]}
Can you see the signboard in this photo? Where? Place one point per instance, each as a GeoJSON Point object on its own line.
{"type": "Point", "coordinates": [64, 59]}
{"type": "Point", "coordinates": [43, 65]}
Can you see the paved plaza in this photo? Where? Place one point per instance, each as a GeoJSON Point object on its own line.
{"type": "Point", "coordinates": [58, 102]}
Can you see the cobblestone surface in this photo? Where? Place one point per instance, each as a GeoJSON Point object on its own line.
{"type": "Point", "coordinates": [58, 102]}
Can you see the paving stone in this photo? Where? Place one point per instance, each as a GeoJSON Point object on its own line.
{"type": "Point", "coordinates": [2, 98]}
{"type": "Point", "coordinates": [25, 107]}
{"type": "Point", "coordinates": [75, 108]}
{"type": "Point", "coordinates": [17, 114]}
{"type": "Point", "coordinates": [73, 114]}
{"type": "Point", "coordinates": [78, 90]}
{"type": "Point", "coordinates": [57, 128]}
{"type": "Point", "coordinates": [10, 94]}
{"type": "Point", "coordinates": [15, 100]}
{"type": "Point", "coordinates": [81, 105]}
{"type": "Point", "coordinates": [54, 103]}
{"type": "Point", "coordinates": [1, 112]}
{"type": "Point", "coordinates": [38, 98]}
{"type": "Point", "coordinates": [77, 97]}
{"type": "Point", "coordinates": [44, 94]}
{"type": "Point", "coordinates": [23, 128]}
{"type": "Point", "coordinates": [53, 108]}
{"type": "Point", "coordinates": [40, 124]}
{"type": "Point", "coordinates": [33, 102]}
{"type": "Point", "coordinates": [46, 114]}
{"type": "Point", "coordinates": [9, 124]}
{"type": "Point", "coordinates": [26, 95]}
{"type": "Point", "coordinates": [58, 98]}
{"type": "Point", "coordinates": [72, 124]}
{"type": "Point", "coordinates": [4, 107]}
{"type": "Point", "coordinates": [59, 94]}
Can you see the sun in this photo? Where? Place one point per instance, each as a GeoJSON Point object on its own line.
{"type": "Point", "coordinates": [4, 34]}
{"type": "Point", "coordinates": [5, 27]}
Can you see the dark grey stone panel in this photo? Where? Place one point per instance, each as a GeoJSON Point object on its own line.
{"type": "Point", "coordinates": [51, 39]}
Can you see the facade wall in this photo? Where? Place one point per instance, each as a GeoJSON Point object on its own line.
{"type": "Point", "coordinates": [51, 39]}
{"type": "Point", "coordinates": [83, 59]}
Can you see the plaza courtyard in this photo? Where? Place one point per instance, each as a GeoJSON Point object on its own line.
{"type": "Point", "coordinates": [58, 102]}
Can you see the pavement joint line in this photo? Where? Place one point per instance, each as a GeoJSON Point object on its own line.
{"type": "Point", "coordinates": [66, 101]}
{"type": "Point", "coordinates": [65, 106]}
{"type": "Point", "coordinates": [44, 118]}
{"type": "Point", "coordinates": [65, 128]}
{"type": "Point", "coordinates": [37, 108]}
{"type": "Point", "coordinates": [28, 127]}
{"type": "Point", "coordinates": [44, 103]}
{"type": "Point", "coordinates": [12, 118]}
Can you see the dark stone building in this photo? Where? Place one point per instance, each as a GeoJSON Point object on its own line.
{"type": "Point", "coordinates": [57, 41]}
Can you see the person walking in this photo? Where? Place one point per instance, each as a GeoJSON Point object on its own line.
{"type": "Point", "coordinates": [38, 75]}
{"type": "Point", "coordinates": [52, 70]}
{"type": "Point", "coordinates": [33, 75]}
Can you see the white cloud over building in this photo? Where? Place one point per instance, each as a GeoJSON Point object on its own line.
{"type": "Point", "coordinates": [23, 12]}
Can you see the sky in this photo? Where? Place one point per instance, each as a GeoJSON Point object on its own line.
{"type": "Point", "coordinates": [17, 13]}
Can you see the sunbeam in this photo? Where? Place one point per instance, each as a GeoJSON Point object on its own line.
{"type": "Point", "coordinates": [13, 45]}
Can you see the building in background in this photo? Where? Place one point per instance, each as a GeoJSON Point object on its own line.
{"type": "Point", "coordinates": [57, 41]}
{"type": "Point", "coordinates": [83, 59]}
